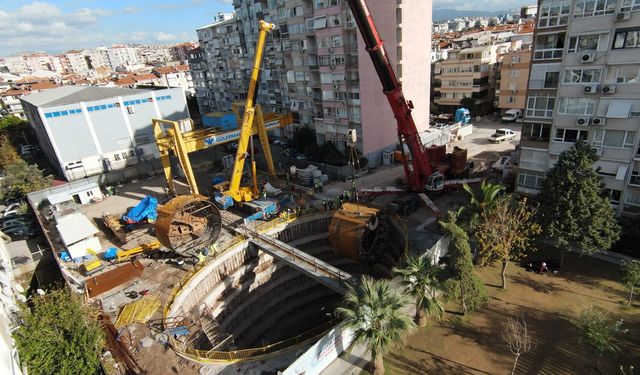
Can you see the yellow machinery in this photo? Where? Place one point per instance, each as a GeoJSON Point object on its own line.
{"type": "Point", "coordinates": [92, 265]}
{"type": "Point", "coordinates": [235, 192]}
{"type": "Point", "coordinates": [124, 255]}
{"type": "Point", "coordinates": [188, 222]}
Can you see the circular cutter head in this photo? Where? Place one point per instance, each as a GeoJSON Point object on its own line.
{"type": "Point", "coordinates": [188, 223]}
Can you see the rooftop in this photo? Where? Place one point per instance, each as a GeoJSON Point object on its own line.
{"type": "Point", "coordinates": [75, 94]}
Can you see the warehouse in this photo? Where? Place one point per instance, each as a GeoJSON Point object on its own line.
{"type": "Point", "coordinates": [86, 131]}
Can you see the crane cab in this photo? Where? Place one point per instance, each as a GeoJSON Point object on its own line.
{"type": "Point", "coordinates": [435, 182]}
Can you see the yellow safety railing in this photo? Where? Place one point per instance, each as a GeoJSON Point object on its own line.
{"type": "Point", "coordinates": [245, 354]}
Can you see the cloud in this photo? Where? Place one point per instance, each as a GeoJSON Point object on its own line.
{"type": "Point", "coordinates": [131, 10]}
{"type": "Point", "coordinates": [44, 26]}
{"type": "Point", "coordinates": [168, 37]}
{"type": "Point", "coordinates": [181, 4]}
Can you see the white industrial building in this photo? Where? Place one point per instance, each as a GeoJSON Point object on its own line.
{"type": "Point", "coordinates": [86, 131]}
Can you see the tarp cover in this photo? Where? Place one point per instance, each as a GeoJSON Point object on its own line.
{"type": "Point", "coordinates": [146, 209]}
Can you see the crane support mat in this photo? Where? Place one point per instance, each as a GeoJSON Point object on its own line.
{"type": "Point", "coordinates": [106, 281]}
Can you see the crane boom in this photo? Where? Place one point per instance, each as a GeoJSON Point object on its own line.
{"type": "Point", "coordinates": [419, 169]}
{"type": "Point", "coordinates": [235, 191]}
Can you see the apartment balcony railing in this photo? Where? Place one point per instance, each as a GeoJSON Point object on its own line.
{"type": "Point", "coordinates": [545, 54]}
{"type": "Point", "coordinates": [543, 84]}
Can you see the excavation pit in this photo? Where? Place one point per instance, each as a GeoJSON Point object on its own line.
{"type": "Point", "coordinates": [248, 305]}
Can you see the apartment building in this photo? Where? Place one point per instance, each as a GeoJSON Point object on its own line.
{"type": "Point", "coordinates": [314, 66]}
{"type": "Point", "coordinates": [583, 84]}
{"type": "Point", "coordinates": [76, 62]}
{"type": "Point", "coordinates": [122, 57]}
{"type": "Point", "coordinates": [179, 52]}
{"type": "Point", "coordinates": [513, 80]}
{"type": "Point", "coordinates": [468, 73]}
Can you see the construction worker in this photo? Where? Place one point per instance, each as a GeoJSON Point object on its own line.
{"type": "Point", "coordinates": [201, 257]}
{"type": "Point", "coordinates": [214, 248]}
{"type": "Point", "coordinates": [324, 205]}
{"type": "Point", "coordinates": [347, 195]}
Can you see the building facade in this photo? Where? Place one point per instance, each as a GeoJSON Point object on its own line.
{"type": "Point", "coordinates": [85, 130]}
{"type": "Point", "coordinates": [514, 78]}
{"type": "Point", "coordinates": [583, 84]}
{"type": "Point", "coordinates": [468, 73]}
{"type": "Point", "coordinates": [314, 64]}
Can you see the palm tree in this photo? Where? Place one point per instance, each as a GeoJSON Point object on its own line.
{"type": "Point", "coordinates": [420, 281]}
{"type": "Point", "coordinates": [481, 203]}
{"type": "Point", "coordinates": [375, 314]}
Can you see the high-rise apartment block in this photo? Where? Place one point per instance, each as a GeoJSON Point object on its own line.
{"type": "Point", "coordinates": [316, 66]}
{"type": "Point", "coordinates": [514, 78]}
{"type": "Point", "coordinates": [583, 85]}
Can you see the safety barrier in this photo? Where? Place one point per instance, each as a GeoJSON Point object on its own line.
{"type": "Point", "coordinates": [243, 355]}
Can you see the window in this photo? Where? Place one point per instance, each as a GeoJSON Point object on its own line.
{"type": "Point", "coordinates": [124, 155]}
{"type": "Point", "coordinates": [116, 156]}
{"type": "Point", "coordinates": [536, 132]}
{"type": "Point", "coordinates": [334, 20]}
{"type": "Point", "coordinates": [627, 39]}
{"type": "Point", "coordinates": [513, 86]}
{"type": "Point", "coordinates": [535, 160]}
{"type": "Point", "coordinates": [579, 75]}
{"type": "Point", "coordinates": [548, 46]}
{"type": "Point", "coordinates": [635, 178]}
{"type": "Point", "coordinates": [614, 138]}
{"type": "Point", "coordinates": [623, 74]}
{"type": "Point", "coordinates": [320, 23]}
{"type": "Point", "coordinates": [589, 8]}
{"type": "Point", "coordinates": [580, 43]}
{"type": "Point", "coordinates": [514, 73]}
{"type": "Point", "coordinates": [613, 195]}
{"type": "Point", "coordinates": [530, 180]}
{"type": "Point", "coordinates": [576, 106]}
{"type": "Point", "coordinates": [570, 135]}
{"type": "Point", "coordinates": [553, 13]}
{"type": "Point", "coordinates": [515, 59]}
{"type": "Point", "coordinates": [629, 5]}
{"type": "Point", "coordinates": [540, 106]}
{"type": "Point", "coordinates": [336, 41]}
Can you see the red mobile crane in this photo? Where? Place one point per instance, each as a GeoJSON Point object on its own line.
{"type": "Point", "coordinates": [419, 172]}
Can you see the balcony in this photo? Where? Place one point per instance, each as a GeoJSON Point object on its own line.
{"type": "Point", "coordinates": [547, 54]}
{"type": "Point", "coordinates": [544, 83]}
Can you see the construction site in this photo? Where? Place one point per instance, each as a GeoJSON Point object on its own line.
{"type": "Point", "coordinates": [243, 262]}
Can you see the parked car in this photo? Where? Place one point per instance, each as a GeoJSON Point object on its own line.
{"type": "Point", "coordinates": [22, 233]}
{"type": "Point", "coordinates": [512, 115]}
{"type": "Point", "coordinates": [16, 221]}
{"type": "Point", "coordinates": [502, 163]}
{"type": "Point", "coordinates": [502, 135]}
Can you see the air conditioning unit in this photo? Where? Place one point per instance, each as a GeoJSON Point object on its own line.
{"type": "Point", "coordinates": [623, 16]}
{"type": "Point", "coordinates": [598, 121]}
{"type": "Point", "coordinates": [331, 50]}
{"type": "Point", "coordinates": [590, 89]}
{"type": "Point", "coordinates": [130, 110]}
{"type": "Point", "coordinates": [583, 121]}
{"type": "Point", "coordinates": [336, 86]}
{"type": "Point", "coordinates": [588, 57]}
{"type": "Point", "coordinates": [598, 151]}
{"type": "Point", "coordinates": [332, 66]}
{"type": "Point", "coordinates": [609, 89]}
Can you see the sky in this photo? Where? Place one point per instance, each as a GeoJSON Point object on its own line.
{"type": "Point", "coordinates": [58, 25]}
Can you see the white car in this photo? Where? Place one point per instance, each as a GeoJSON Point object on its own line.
{"type": "Point", "coordinates": [503, 163]}
{"type": "Point", "coordinates": [502, 135]}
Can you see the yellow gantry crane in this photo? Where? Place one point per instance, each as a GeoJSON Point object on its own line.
{"type": "Point", "coordinates": [169, 136]}
{"type": "Point", "coordinates": [235, 192]}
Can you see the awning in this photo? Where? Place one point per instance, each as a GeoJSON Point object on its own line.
{"type": "Point", "coordinates": [619, 108]}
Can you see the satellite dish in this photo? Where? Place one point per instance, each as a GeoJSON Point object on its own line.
{"type": "Point", "coordinates": [18, 288]}
{"type": "Point", "coordinates": [41, 292]}
{"type": "Point", "coordinates": [21, 298]}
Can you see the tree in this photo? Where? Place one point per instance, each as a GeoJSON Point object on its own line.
{"type": "Point", "coordinates": [375, 314]}
{"type": "Point", "coordinates": [303, 137]}
{"type": "Point", "coordinates": [631, 277]}
{"type": "Point", "coordinates": [505, 232]}
{"type": "Point", "coordinates": [516, 334]}
{"type": "Point", "coordinates": [462, 281]}
{"type": "Point", "coordinates": [419, 278]}
{"type": "Point", "coordinates": [8, 153]}
{"type": "Point", "coordinates": [22, 178]}
{"type": "Point", "coordinates": [573, 210]}
{"type": "Point", "coordinates": [59, 335]}
{"type": "Point", "coordinates": [481, 203]}
{"type": "Point", "coordinates": [599, 332]}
